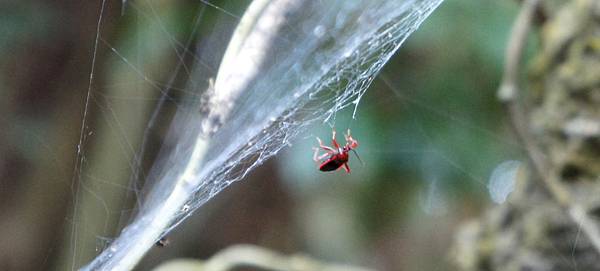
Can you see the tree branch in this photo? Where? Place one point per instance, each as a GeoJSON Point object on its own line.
{"type": "Point", "coordinates": [508, 93]}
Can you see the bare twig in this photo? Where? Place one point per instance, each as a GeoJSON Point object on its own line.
{"type": "Point", "coordinates": [254, 256]}
{"type": "Point", "coordinates": [508, 94]}
{"type": "Point", "coordinates": [245, 47]}
{"type": "Point", "coordinates": [509, 88]}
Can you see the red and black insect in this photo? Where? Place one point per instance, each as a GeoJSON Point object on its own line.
{"type": "Point", "coordinates": [335, 156]}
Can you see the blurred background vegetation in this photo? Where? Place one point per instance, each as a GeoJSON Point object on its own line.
{"type": "Point", "coordinates": [430, 132]}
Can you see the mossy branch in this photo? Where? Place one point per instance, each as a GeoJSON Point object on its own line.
{"type": "Point", "coordinates": [508, 93]}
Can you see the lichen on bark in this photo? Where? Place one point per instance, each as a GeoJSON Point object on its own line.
{"type": "Point", "coordinates": [533, 230]}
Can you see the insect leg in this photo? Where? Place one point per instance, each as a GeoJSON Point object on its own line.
{"type": "Point", "coordinates": [315, 158]}
{"type": "Point", "coordinates": [326, 148]}
{"type": "Point", "coordinates": [333, 141]}
{"type": "Point", "coordinates": [346, 167]}
{"type": "Point", "coordinates": [323, 156]}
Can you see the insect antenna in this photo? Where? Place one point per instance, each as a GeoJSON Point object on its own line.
{"type": "Point", "coordinates": [357, 156]}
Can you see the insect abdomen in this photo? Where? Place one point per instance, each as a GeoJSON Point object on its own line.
{"type": "Point", "coordinates": [330, 165]}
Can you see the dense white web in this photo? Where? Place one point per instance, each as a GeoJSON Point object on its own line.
{"type": "Point", "coordinates": [289, 63]}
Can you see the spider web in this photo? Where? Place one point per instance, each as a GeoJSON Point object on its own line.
{"type": "Point", "coordinates": [297, 63]}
